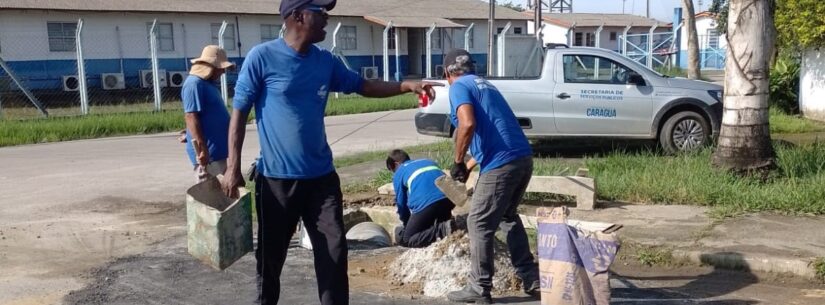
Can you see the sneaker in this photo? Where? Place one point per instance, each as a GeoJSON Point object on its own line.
{"type": "Point", "coordinates": [468, 295]}
{"type": "Point", "coordinates": [534, 289]}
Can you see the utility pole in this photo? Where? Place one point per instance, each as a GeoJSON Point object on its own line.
{"type": "Point", "coordinates": [537, 7]}
{"type": "Point", "coordinates": [623, 4]}
{"type": "Point", "coordinates": [491, 27]}
{"type": "Point", "coordinates": [648, 9]}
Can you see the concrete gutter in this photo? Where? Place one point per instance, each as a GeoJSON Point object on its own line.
{"type": "Point", "coordinates": [740, 260]}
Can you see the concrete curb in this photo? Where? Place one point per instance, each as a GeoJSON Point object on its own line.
{"type": "Point", "coordinates": [749, 262]}
{"type": "Point", "coordinates": [386, 217]}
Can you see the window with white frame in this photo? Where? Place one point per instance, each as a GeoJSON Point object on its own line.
{"type": "Point", "coordinates": [165, 36]}
{"type": "Point", "coordinates": [713, 39]}
{"type": "Point", "coordinates": [437, 39]}
{"type": "Point", "coordinates": [61, 36]}
{"type": "Point", "coordinates": [348, 37]}
{"type": "Point", "coordinates": [270, 32]}
{"type": "Point", "coordinates": [391, 39]}
{"type": "Point", "coordinates": [229, 42]}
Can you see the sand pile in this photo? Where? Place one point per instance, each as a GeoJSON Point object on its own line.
{"type": "Point", "coordinates": [444, 266]}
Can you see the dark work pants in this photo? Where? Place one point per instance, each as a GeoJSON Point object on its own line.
{"type": "Point", "coordinates": [318, 202]}
{"type": "Point", "coordinates": [497, 195]}
{"type": "Point", "coordinates": [428, 225]}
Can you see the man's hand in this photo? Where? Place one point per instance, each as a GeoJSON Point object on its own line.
{"type": "Point", "coordinates": [424, 87]}
{"type": "Point", "coordinates": [459, 172]}
{"type": "Point", "coordinates": [203, 157]}
{"type": "Point", "coordinates": [232, 180]}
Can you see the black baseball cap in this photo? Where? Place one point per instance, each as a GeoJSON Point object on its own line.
{"type": "Point", "coordinates": [451, 56]}
{"type": "Point", "coordinates": [289, 6]}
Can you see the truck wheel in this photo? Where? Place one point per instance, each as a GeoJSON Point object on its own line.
{"type": "Point", "coordinates": [684, 132]}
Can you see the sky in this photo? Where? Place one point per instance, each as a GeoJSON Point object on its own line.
{"type": "Point", "coordinates": [659, 9]}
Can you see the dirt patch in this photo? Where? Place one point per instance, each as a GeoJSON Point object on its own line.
{"type": "Point", "coordinates": [443, 267]}
{"type": "Point", "coordinates": [367, 200]}
{"type": "Point", "coordinates": [369, 271]}
{"type": "Point", "coordinates": [59, 244]}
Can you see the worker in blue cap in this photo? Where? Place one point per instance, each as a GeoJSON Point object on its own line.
{"type": "Point", "coordinates": [287, 81]}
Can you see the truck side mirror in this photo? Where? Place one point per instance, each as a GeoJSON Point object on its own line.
{"type": "Point", "coordinates": [636, 79]}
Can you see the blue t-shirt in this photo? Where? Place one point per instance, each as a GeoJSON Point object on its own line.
{"type": "Point", "coordinates": [203, 97]}
{"type": "Point", "coordinates": [414, 185]}
{"type": "Point", "coordinates": [289, 92]}
{"type": "Point", "coordinates": [498, 138]}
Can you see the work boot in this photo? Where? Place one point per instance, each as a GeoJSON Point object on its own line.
{"type": "Point", "coordinates": [533, 289]}
{"type": "Point", "coordinates": [399, 233]}
{"type": "Point", "coordinates": [469, 295]}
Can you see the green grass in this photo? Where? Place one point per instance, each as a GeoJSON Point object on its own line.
{"type": "Point", "coordinates": [649, 177]}
{"type": "Point", "coordinates": [655, 256]}
{"type": "Point", "coordinates": [84, 127]}
{"type": "Point", "coordinates": [819, 268]}
{"type": "Point", "coordinates": [782, 122]}
{"type": "Point", "coordinates": [117, 120]}
{"type": "Point", "coordinates": [358, 104]}
{"type": "Point", "coordinates": [691, 179]}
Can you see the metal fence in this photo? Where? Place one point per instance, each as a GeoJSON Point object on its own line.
{"type": "Point", "coordinates": [73, 78]}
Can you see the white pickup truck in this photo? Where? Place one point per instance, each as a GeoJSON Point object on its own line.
{"type": "Point", "coordinates": [591, 92]}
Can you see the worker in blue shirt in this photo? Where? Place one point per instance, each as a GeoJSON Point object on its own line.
{"type": "Point", "coordinates": [287, 82]}
{"type": "Point", "coordinates": [486, 126]}
{"type": "Point", "coordinates": [207, 121]}
{"type": "Point", "coordinates": [426, 214]}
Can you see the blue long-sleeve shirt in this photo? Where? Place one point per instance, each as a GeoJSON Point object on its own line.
{"type": "Point", "coordinates": [414, 184]}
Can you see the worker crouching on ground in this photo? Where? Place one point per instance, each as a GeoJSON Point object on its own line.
{"type": "Point", "coordinates": [207, 121]}
{"type": "Point", "coordinates": [426, 214]}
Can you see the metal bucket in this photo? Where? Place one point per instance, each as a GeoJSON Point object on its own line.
{"type": "Point", "coordinates": [219, 229]}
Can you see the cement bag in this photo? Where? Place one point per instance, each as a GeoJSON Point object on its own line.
{"type": "Point", "coordinates": [573, 264]}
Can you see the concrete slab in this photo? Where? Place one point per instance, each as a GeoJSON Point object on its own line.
{"type": "Point", "coordinates": [771, 235]}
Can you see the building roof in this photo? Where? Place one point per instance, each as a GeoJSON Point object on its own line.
{"type": "Point", "coordinates": [587, 20]}
{"type": "Point", "coordinates": [450, 9]}
{"type": "Point", "coordinates": [413, 22]}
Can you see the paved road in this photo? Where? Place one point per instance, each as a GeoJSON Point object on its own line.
{"type": "Point", "coordinates": [171, 275]}
{"type": "Point", "coordinates": [67, 207]}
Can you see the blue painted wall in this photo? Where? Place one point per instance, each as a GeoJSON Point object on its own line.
{"type": "Point", "coordinates": [48, 74]}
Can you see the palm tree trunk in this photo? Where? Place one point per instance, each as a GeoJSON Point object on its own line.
{"type": "Point", "coordinates": [745, 140]}
{"type": "Point", "coordinates": [692, 40]}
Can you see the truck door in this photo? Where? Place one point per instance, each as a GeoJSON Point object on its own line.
{"type": "Point", "coordinates": [593, 97]}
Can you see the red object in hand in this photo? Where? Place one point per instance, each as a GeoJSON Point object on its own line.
{"type": "Point", "coordinates": [423, 100]}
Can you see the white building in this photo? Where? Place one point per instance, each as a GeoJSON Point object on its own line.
{"type": "Point", "coordinates": [812, 84]}
{"type": "Point", "coordinates": [580, 29]}
{"type": "Point", "coordinates": [37, 38]}
{"type": "Point", "coordinates": [712, 45]}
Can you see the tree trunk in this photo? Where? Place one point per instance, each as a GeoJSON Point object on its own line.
{"type": "Point", "coordinates": [745, 140]}
{"type": "Point", "coordinates": [692, 40]}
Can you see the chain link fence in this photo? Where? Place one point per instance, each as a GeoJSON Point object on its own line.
{"type": "Point", "coordinates": [87, 69]}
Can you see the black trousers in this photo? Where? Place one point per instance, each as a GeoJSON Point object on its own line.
{"type": "Point", "coordinates": [427, 226]}
{"type": "Point", "coordinates": [318, 202]}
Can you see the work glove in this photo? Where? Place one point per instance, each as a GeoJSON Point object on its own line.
{"type": "Point", "coordinates": [459, 172]}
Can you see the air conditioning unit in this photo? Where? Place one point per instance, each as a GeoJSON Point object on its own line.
{"type": "Point", "coordinates": [177, 78]}
{"type": "Point", "coordinates": [112, 81]}
{"type": "Point", "coordinates": [369, 72]}
{"type": "Point", "coordinates": [439, 71]}
{"type": "Point", "coordinates": [146, 78]}
{"type": "Point", "coordinates": [71, 83]}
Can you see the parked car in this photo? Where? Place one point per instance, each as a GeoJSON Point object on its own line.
{"type": "Point", "coordinates": [589, 92]}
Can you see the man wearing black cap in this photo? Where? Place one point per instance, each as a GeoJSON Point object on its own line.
{"type": "Point", "coordinates": [486, 126]}
{"type": "Point", "coordinates": [287, 82]}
